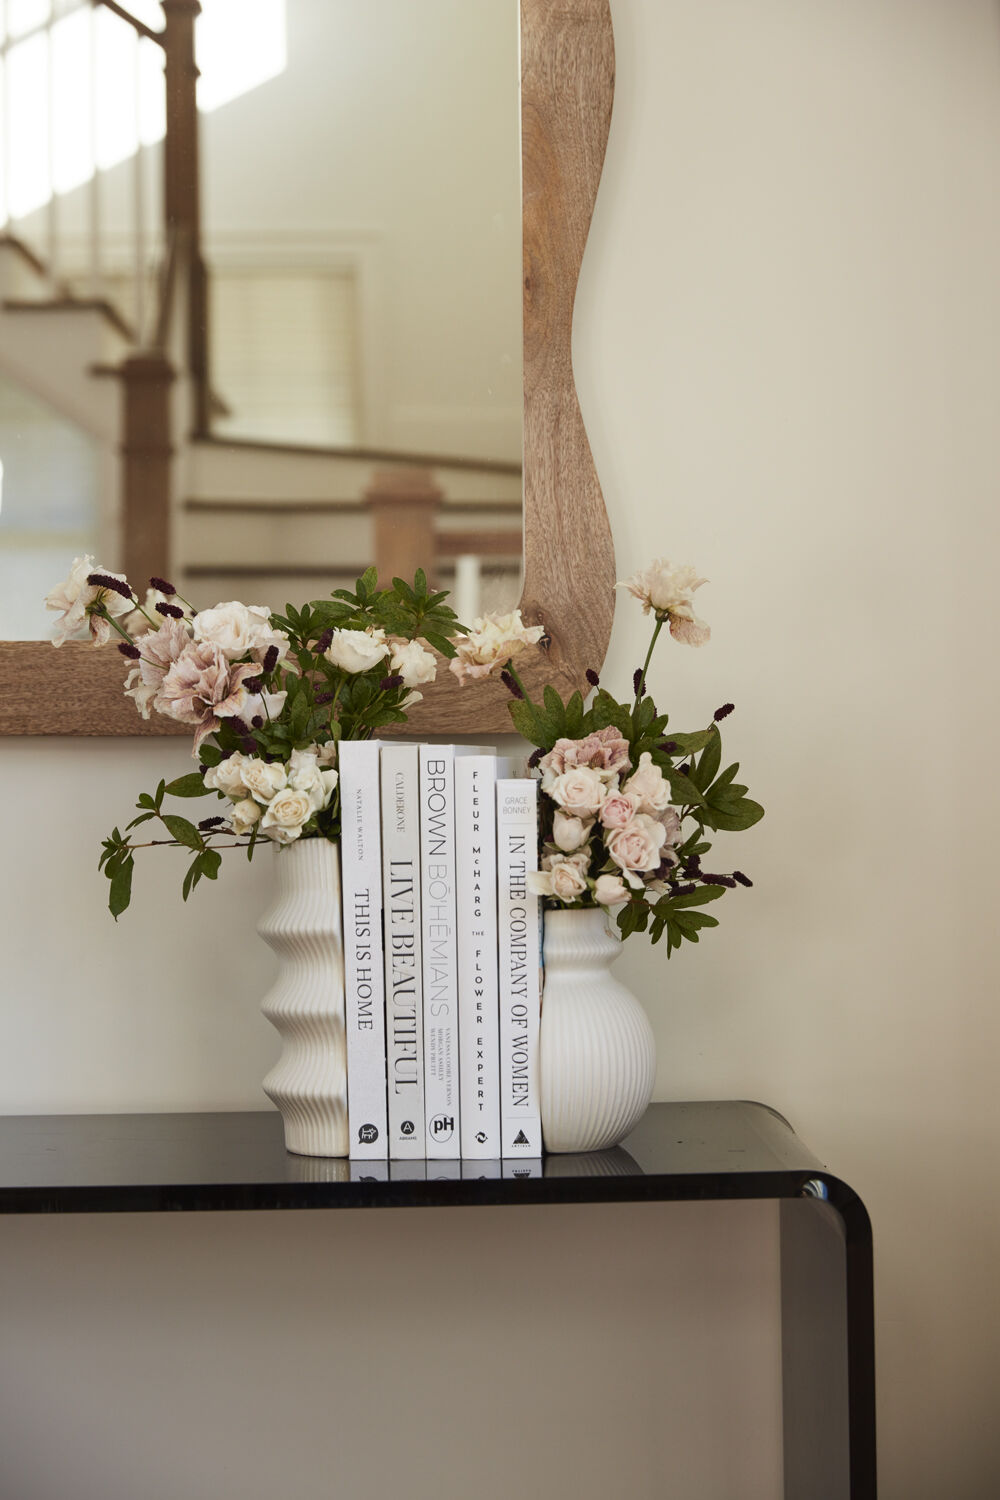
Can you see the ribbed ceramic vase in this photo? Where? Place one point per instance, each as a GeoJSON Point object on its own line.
{"type": "Point", "coordinates": [596, 1053]}
{"type": "Point", "coordinates": [309, 1081]}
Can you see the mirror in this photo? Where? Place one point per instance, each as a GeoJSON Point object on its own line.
{"type": "Point", "coordinates": [360, 221]}
{"type": "Point", "coordinates": [166, 387]}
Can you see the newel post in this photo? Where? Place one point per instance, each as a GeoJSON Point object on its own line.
{"type": "Point", "coordinates": [181, 183]}
{"type": "Point", "coordinates": [147, 451]}
{"type": "Point", "coordinates": [404, 504]}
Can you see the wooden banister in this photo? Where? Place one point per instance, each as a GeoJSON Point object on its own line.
{"type": "Point", "coordinates": [133, 21]}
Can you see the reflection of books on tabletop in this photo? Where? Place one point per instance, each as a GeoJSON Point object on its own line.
{"type": "Point", "coordinates": [529, 1167]}
{"type": "Point", "coordinates": [403, 987]}
{"type": "Point", "coordinates": [519, 992]}
{"type": "Point", "coordinates": [364, 967]}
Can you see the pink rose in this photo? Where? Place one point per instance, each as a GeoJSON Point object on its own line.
{"type": "Point", "coordinates": [203, 687]}
{"type": "Point", "coordinates": [636, 847]}
{"type": "Point", "coordinates": [579, 792]}
{"type": "Point", "coordinates": [609, 890]}
{"type": "Point", "coordinates": [569, 832]}
{"type": "Point", "coordinates": [648, 786]}
{"type": "Point", "coordinates": [617, 809]}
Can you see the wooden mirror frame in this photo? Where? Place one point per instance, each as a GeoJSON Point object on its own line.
{"type": "Point", "coordinates": [567, 88]}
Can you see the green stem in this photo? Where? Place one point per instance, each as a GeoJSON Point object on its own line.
{"type": "Point", "coordinates": [649, 656]}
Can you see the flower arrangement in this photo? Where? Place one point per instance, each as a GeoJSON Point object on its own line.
{"type": "Point", "coordinates": [268, 697]}
{"type": "Point", "coordinates": [626, 803]}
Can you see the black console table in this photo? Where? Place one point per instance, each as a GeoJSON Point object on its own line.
{"type": "Point", "coordinates": [678, 1153]}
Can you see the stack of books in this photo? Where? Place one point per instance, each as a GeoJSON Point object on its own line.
{"type": "Point", "coordinates": [441, 953]}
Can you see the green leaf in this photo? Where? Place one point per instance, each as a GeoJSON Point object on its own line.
{"type": "Point", "coordinates": [121, 888]}
{"type": "Point", "coordinates": [191, 785]}
{"type": "Point", "coordinates": [158, 799]}
{"type": "Point", "coordinates": [683, 790]}
{"type": "Point", "coordinates": [706, 769]}
{"type": "Point", "coordinates": [191, 878]}
{"type": "Point", "coordinates": [183, 831]}
{"type": "Point", "coordinates": [687, 744]}
{"type": "Point", "coordinates": [210, 861]}
{"type": "Point", "coordinates": [744, 815]}
{"type": "Point", "coordinates": [142, 818]}
{"type": "Point", "coordinates": [523, 719]}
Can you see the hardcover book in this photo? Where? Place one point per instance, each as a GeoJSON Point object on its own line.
{"type": "Point", "coordinates": [518, 925]}
{"type": "Point", "coordinates": [364, 969]}
{"type": "Point", "coordinates": [478, 960]}
{"type": "Point", "coordinates": [403, 973]}
{"type": "Point", "coordinates": [439, 939]}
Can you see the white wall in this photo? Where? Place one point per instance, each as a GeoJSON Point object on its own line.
{"type": "Point", "coordinates": [788, 355]}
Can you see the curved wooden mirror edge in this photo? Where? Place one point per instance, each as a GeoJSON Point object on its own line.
{"type": "Point", "coordinates": [567, 90]}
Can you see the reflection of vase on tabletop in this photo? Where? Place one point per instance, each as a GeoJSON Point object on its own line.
{"type": "Point", "coordinates": [309, 1081]}
{"type": "Point", "coordinates": [597, 1058]}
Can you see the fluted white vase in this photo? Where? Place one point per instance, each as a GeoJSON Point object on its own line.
{"type": "Point", "coordinates": [308, 1083]}
{"type": "Point", "coordinates": [596, 1053]}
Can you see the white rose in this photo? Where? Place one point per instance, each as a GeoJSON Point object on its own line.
{"type": "Point", "coordinates": [580, 791]}
{"type": "Point", "coordinates": [568, 832]}
{"type": "Point", "coordinates": [539, 883]}
{"type": "Point", "coordinates": [648, 786]}
{"type": "Point", "coordinates": [636, 847]}
{"type": "Point", "coordinates": [568, 881]}
{"type": "Point", "coordinates": [264, 779]}
{"type": "Point", "coordinates": [305, 775]}
{"type": "Point", "coordinates": [326, 755]}
{"type": "Point", "coordinates": [413, 662]}
{"type": "Point", "coordinates": [227, 777]}
{"type": "Point", "coordinates": [238, 628]}
{"type": "Point", "coordinates": [609, 890]}
{"type": "Point", "coordinates": [285, 815]}
{"type": "Point", "coordinates": [244, 815]}
{"type": "Point", "coordinates": [357, 650]}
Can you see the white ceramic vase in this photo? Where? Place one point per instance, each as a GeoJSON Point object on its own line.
{"type": "Point", "coordinates": [596, 1053]}
{"type": "Point", "coordinates": [309, 1081]}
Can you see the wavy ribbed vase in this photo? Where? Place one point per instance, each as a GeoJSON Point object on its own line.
{"type": "Point", "coordinates": [309, 1081]}
{"type": "Point", "coordinates": [596, 1053]}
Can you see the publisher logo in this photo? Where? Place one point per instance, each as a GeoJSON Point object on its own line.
{"type": "Point", "coordinates": [443, 1127]}
{"type": "Point", "coordinates": [520, 1139]}
{"type": "Point", "coordinates": [368, 1135]}
{"type": "Point", "coordinates": [407, 1127]}
{"type": "Point", "coordinates": [481, 1137]}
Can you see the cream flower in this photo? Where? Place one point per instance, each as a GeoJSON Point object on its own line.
{"type": "Point", "coordinates": [160, 649]}
{"type": "Point", "coordinates": [203, 687]}
{"type": "Point", "coordinates": [264, 779]}
{"type": "Point", "coordinates": [609, 890]}
{"type": "Point", "coordinates": [668, 590]}
{"type": "Point", "coordinates": [227, 777]}
{"type": "Point", "coordinates": [579, 792]}
{"type": "Point", "coordinates": [138, 623]}
{"type": "Point", "coordinates": [76, 598]}
{"type": "Point", "coordinates": [413, 662]}
{"type": "Point", "coordinates": [491, 643]}
{"type": "Point", "coordinates": [286, 813]}
{"type": "Point", "coordinates": [238, 629]}
{"type": "Point", "coordinates": [569, 832]}
{"type": "Point", "coordinates": [636, 847]}
{"type": "Point", "coordinates": [564, 880]}
{"type": "Point", "coordinates": [305, 775]}
{"type": "Point", "coordinates": [244, 815]}
{"type": "Point", "coordinates": [648, 786]}
{"type": "Point", "coordinates": [357, 650]}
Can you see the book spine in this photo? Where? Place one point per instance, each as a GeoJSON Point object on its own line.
{"type": "Point", "coordinates": [440, 950]}
{"type": "Point", "coordinates": [364, 972]}
{"type": "Point", "coordinates": [478, 972]}
{"type": "Point", "coordinates": [518, 924]}
{"type": "Point", "coordinates": [403, 975]}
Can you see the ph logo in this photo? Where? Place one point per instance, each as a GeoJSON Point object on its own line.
{"type": "Point", "coordinates": [443, 1127]}
{"type": "Point", "coordinates": [368, 1135]}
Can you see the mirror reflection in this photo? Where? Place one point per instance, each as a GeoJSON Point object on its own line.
{"type": "Point", "coordinates": [262, 343]}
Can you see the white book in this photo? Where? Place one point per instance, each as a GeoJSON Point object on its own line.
{"type": "Point", "coordinates": [404, 1015]}
{"type": "Point", "coordinates": [439, 939]}
{"type": "Point", "coordinates": [364, 967]}
{"type": "Point", "coordinates": [478, 963]}
{"type": "Point", "coordinates": [520, 990]}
